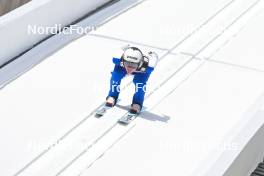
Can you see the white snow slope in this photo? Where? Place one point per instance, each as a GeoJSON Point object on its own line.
{"type": "Point", "coordinates": [208, 85]}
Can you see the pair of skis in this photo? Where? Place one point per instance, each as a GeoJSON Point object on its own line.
{"type": "Point", "coordinates": [124, 120]}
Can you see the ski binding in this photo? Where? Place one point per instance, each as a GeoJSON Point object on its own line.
{"type": "Point", "coordinates": [127, 118]}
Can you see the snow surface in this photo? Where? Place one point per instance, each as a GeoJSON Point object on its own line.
{"type": "Point", "coordinates": [198, 94]}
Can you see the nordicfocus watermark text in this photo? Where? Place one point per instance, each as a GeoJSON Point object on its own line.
{"type": "Point", "coordinates": [138, 87]}
{"type": "Point", "coordinates": [59, 28]}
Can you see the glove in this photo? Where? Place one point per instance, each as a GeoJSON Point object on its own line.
{"type": "Point", "coordinates": [153, 59]}
{"type": "Point", "coordinates": [153, 54]}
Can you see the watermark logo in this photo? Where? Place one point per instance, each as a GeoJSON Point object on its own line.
{"type": "Point", "coordinates": [58, 29]}
{"type": "Point", "coordinates": [139, 87]}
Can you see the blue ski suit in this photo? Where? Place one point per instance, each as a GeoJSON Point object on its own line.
{"type": "Point", "coordinates": [140, 80]}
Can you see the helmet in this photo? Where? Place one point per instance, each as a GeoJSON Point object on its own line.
{"type": "Point", "coordinates": [132, 57]}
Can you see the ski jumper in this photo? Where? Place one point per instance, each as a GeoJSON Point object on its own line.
{"type": "Point", "coordinates": [140, 80]}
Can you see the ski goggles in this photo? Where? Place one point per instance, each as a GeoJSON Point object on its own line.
{"type": "Point", "coordinates": [131, 64]}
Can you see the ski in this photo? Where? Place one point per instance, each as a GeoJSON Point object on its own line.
{"type": "Point", "coordinates": [127, 118]}
{"type": "Point", "coordinates": [102, 110]}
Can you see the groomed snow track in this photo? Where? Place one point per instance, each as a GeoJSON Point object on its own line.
{"type": "Point", "coordinates": [199, 100]}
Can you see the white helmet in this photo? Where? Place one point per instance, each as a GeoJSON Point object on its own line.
{"type": "Point", "coordinates": [133, 57]}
